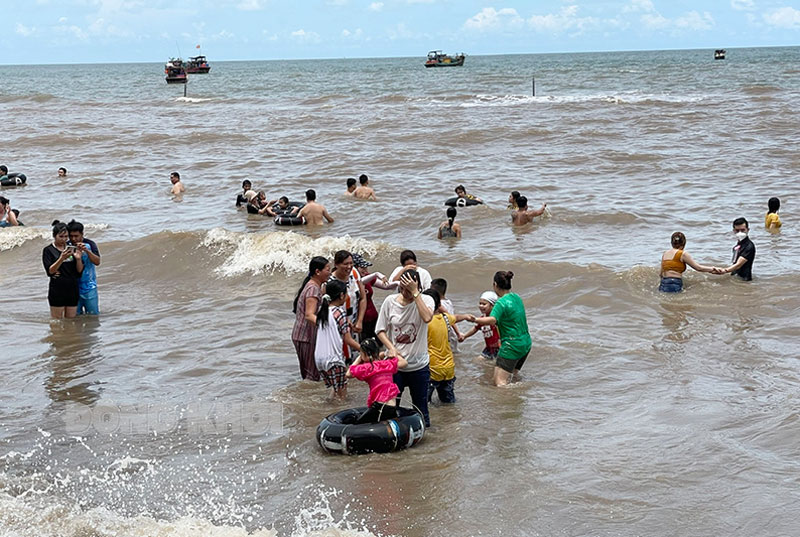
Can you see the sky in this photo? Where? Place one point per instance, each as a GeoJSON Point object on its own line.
{"type": "Point", "coordinates": [96, 31]}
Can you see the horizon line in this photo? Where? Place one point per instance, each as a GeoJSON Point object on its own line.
{"type": "Point", "coordinates": [402, 57]}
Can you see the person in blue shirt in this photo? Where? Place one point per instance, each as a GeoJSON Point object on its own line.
{"type": "Point", "coordinates": [87, 286]}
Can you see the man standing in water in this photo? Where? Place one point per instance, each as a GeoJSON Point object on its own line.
{"type": "Point", "coordinates": [364, 191]}
{"type": "Point", "coordinates": [522, 215]}
{"type": "Point", "coordinates": [744, 253]}
{"type": "Point", "coordinates": [177, 185]}
{"type": "Point", "coordinates": [313, 212]}
{"type": "Point", "coordinates": [87, 285]}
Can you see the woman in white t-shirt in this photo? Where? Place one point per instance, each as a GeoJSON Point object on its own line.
{"type": "Point", "coordinates": [403, 328]}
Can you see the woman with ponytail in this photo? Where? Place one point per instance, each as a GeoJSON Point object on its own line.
{"type": "Point", "coordinates": [448, 229]}
{"type": "Point", "coordinates": [508, 314]}
{"type": "Point", "coordinates": [306, 304]}
{"type": "Point", "coordinates": [332, 333]}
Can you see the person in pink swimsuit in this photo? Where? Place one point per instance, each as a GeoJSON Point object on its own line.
{"type": "Point", "coordinates": [372, 368]}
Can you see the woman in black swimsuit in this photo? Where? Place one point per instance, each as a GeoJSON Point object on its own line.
{"type": "Point", "coordinates": [63, 265]}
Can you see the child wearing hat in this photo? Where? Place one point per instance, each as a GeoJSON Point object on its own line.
{"type": "Point", "coordinates": [491, 336]}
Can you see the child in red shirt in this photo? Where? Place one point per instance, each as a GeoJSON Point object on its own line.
{"type": "Point", "coordinates": [491, 336]}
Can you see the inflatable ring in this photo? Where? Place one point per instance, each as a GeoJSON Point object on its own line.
{"type": "Point", "coordinates": [286, 220]}
{"type": "Point", "coordinates": [288, 209]}
{"type": "Point", "coordinates": [338, 432]}
{"type": "Point", "coordinates": [13, 179]}
{"type": "Point", "coordinates": [462, 202]}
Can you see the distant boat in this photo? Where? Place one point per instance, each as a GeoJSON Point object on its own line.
{"type": "Point", "coordinates": [197, 65]}
{"type": "Point", "coordinates": [719, 54]}
{"type": "Point", "coordinates": [175, 71]}
{"type": "Point", "coordinates": [437, 59]}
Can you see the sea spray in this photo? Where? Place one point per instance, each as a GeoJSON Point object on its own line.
{"type": "Point", "coordinates": [272, 251]}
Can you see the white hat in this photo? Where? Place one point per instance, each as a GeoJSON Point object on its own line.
{"type": "Point", "coordinates": [250, 194]}
{"type": "Point", "coordinates": [489, 296]}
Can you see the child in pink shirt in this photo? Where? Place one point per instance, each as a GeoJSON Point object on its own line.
{"type": "Point", "coordinates": [372, 368]}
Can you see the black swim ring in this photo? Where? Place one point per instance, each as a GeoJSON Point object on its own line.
{"type": "Point", "coordinates": [462, 202]}
{"type": "Point", "coordinates": [13, 179]}
{"type": "Point", "coordinates": [338, 433]}
{"type": "Point", "coordinates": [288, 209]}
{"type": "Point", "coordinates": [287, 220]}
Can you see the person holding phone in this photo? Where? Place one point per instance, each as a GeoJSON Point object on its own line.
{"type": "Point", "coordinates": [63, 265]}
{"type": "Point", "coordinates": [403, 329]}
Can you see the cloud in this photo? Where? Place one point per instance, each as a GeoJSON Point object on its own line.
{"type": "Point", "coordinates": [305, 37]}
{"type": "Point", "coordinates": [638, 6]}
{"type": "Point", "coordinates": [72, 31]}
{"type": "Point", "coordinates": [785, 17]}
{"type": "Point", "coordinates": [743, 5]}
{"type": "Point", "coordinates": [376, 6]}
{"type": "Point", "coordinates": [401, 31]}
{"type": "Point", "coordinates": [23, 30]}
{"type": "Point", "coordinates": [251, 5]}
{"type": "Point", "coordinates": [347, 34]}
{"type": "Point", "coordinates": [651, 19]}
{"type": "Point", "coordinates": [508, 19]}
{"type": "Point", "coordinates": [491, 19]}
{"type": "Point", "coordinates": [695, 21]}
{"type": "Point", "coordinates": [567, 19]}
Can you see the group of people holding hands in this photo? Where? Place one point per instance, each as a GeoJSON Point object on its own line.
{"type": "Point", "coordinates": [408, 342]}
{"type": "Point", "coordinates": [675, 260]}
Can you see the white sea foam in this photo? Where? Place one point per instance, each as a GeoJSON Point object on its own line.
{"type": "Point", "coordinates": [25, 516]}
{"type": "Point", "coordinates": [11, 237]}
{"type": "Point", "coordinates": [270, 251]}
{"type": "Point", "coordinates": [22, 517]}
{"type": "Point", "coordinates": [626, 98]}
{"type": "Point", "coordinates": [192, 100]}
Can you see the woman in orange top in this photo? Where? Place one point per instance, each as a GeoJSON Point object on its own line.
{"type": "Point", "coordinates": [673, 265]}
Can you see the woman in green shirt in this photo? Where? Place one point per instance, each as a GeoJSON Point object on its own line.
{"type": "Point", "coordinates": [508, 315]}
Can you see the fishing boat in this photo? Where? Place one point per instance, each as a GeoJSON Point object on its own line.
{"type": "Point", "coordinates": [197, 65]}
{"type": "Point", "coordinates": [438, 59]}
{"type": "Point", "coordinates": [719, 54]}
{"type": "Point", "coordinates": [175, 71]}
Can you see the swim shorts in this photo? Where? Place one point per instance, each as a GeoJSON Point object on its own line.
{"type": "Point", "coordinates": [511, 365]}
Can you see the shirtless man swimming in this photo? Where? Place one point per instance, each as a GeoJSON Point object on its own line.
{"type": "Point", "coordinates": [364, 191]}
{"type": "Point", "coordinates": [522, 215]}
{"type": "Point", "coordinates": [177, 185]}
{"type": "Point", "coordinates": [351, 186]}
{"type": "Point", "coordinates": [313, 212]}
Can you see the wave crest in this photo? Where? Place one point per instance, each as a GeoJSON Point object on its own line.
{"type": "Point", "coordinates": [270, 251]}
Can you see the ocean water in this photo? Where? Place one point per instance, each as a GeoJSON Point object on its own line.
{"type": "Point", "coordinates": [179, 411]}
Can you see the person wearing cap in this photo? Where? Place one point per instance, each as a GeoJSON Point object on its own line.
{"type": "Point", "coordinates": [370, 280]}
{"type": "Point", "coordinates": [491, 336]}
